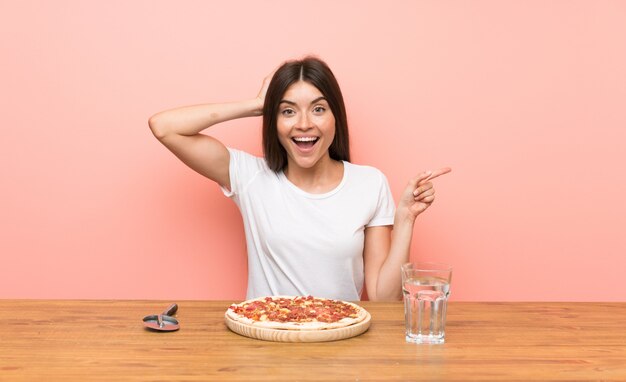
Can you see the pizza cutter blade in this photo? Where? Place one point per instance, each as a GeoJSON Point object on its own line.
{"type": "Point", "coordinates": [163, 322]}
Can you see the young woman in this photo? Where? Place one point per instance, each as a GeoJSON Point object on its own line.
{"type": "Point", "coordinates": [314, 222]}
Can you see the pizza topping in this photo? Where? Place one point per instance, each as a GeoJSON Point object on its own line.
{"type": "Point", "coordinates": [298, 309]}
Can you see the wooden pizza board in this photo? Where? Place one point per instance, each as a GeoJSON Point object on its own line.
{"type": "Point", "coordinates": [282, 335]}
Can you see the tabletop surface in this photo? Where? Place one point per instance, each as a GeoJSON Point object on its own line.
{"type": "Point", "coordinates": [105, 340]}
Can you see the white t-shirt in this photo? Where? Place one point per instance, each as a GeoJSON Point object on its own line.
{"type": "Point", "coordinates": [301, 243]}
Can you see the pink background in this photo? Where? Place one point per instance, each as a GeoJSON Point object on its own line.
{"type": "Point", "coordinates": [524, 100]}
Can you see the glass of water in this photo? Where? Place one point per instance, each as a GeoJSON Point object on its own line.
{"type": "Point", "coordinates": [425, 289]}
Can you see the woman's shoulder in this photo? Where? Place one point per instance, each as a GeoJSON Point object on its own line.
{"type": "Point", "coordinates": [365, 172]}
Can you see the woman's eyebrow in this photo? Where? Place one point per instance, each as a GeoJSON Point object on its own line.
{"type": "Point", "coordinates": [312, 102]}
{"type": "Point", "coordinates": [319, 99]}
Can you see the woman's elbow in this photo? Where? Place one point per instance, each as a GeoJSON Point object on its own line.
{"type": "Point", "coordinates": [157, 127]}
{"type": "Point", "coordinates": [391, 296]}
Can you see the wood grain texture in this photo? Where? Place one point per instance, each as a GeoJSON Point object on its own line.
{"type": "Point", "coordinates": [106, 340]}
{"type": "Point", "coordinates": [267, 334]}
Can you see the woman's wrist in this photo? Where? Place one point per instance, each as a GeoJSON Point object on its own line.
{"type": "Point", "coordinates": [257, 107]}
{"type": "Point", "coordinates": [404, 214]}
{"type": "Point", "coordinates": [404, 218]}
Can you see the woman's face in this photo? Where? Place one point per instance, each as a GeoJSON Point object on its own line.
{"type": "Point", "coordinates": [306, 125]}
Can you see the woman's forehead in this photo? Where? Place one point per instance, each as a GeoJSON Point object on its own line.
{"type": "Point", "coordinates": [301, 91]}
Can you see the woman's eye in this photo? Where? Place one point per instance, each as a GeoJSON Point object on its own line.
{"type": "Point", "coordinates": [287, 112]}
{"type": "Point", "coordinates": [319, 109]}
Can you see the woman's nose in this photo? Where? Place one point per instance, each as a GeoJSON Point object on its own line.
{"type": "Point", "coordinates": [304, 122]}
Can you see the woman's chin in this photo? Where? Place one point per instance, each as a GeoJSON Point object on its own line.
{"type": "Point", "coordinates": [305, 163]}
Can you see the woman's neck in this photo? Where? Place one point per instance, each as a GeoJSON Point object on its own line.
{"type": "Point", "coordinates": [319, 179]}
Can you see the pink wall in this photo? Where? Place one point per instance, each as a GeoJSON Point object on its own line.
{"type": "Point", "coordinates": [524, 100]}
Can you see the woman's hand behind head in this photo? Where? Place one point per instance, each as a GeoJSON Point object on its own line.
{"type": "Point", "coordinates": [261, 96]}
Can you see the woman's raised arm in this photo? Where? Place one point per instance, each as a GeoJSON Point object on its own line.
{"type": "Point", "coordinates": [179, 130]}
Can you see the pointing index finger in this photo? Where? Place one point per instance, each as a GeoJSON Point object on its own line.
{"type": "Point", "coordinates": [439, 172]}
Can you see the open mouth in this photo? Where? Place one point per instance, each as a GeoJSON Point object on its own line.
{"type": "Point", "coordinates": [305, 142]}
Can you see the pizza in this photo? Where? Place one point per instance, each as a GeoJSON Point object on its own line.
{"type": "Point", "coordinates": [296, 313]}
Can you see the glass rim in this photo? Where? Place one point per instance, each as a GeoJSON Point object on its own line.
{"type": "Point", "coordinates": [426, 266]}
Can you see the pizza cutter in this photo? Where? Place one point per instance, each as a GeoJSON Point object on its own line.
{"type": "Point", "coordinates": [163, 322]}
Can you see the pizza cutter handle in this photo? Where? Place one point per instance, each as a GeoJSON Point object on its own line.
{"type": "Point", "coordinates": [171, 310]}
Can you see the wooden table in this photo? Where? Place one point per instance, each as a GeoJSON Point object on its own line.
{"type": "Point", "coordinates": [105, 340]}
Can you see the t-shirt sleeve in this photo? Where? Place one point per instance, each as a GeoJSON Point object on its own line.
{"type": "Point", "coordinates": [242, 169]}
{"type": "Point", "coordinates": [385, 209]}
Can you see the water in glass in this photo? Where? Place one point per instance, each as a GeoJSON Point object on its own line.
{"type": "Point", "coordinates": [425, 302]}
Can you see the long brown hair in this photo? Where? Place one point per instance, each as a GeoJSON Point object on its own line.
{"type": "Point", "coordinates": [317, 73]}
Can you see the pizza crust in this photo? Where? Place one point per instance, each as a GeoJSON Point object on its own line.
{"type": "Point", "coordinates": [313, 325]}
